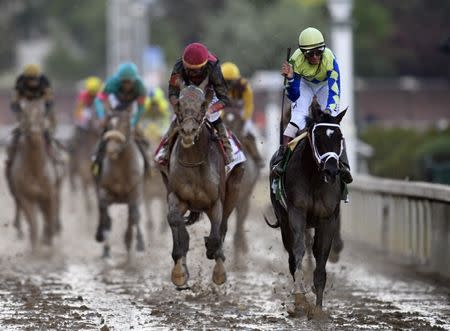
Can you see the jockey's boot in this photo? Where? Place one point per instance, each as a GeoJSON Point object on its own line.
{"type": "Point", "coordinates": [278, 164]}
{"type": "Point", "coordinates": [98, 156]}
{"type": "Point", "coordinates": [344, 166]}
{"type": "Point", "coordinates": [250, 143]}
{"type": "Point", "coordinates": [222, 132]}
{"type": "Point", "coordinates": [163, 152]}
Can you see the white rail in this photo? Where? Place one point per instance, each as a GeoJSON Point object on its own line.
{"type": "Point", "coordinates": [407, 220]}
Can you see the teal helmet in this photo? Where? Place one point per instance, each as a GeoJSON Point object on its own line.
{"type": "Point", "coordinates": [127, 71]}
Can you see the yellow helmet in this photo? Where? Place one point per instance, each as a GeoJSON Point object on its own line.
{"type": "Point", "coordinates": [93, 84]}
{"type": "Point", "coordinates": [310, 38]}
{"type": "Point", "coordinates": [230, 71]}
{"type": "Point", "coordinates": [157, 94]}
{"type": "Point", "coordinates": [32, 70]}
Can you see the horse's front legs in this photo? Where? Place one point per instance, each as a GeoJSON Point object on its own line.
{"type": "Point", "coordinates": [297, 224]}
{"type": "Point", "coordinates": [323, 239]}
{"type": "Point", "coordinates": [180, 238]}
{"type": "Point", "coordinates": [215, 240]}
{"type": "Point", "coordinates": [133, 221]}
{"type": "Point", "coordinates": [104, 226]}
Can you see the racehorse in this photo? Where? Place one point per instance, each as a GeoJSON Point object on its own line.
{"type": "Point", "coordinates": [196, 181]}
{"type": "Point", "coordinates": [311, 199]}
{"type": "Point", "coordinates": [33, 175]}
{"type": "Point", "coordinates": [120, 180]}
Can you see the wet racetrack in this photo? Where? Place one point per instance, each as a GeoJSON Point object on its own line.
{"type": "Point", "coordinates": [69, 287]}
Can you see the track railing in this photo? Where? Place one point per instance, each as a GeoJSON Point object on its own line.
{"type": "Point", "coordinates": [410, 221]}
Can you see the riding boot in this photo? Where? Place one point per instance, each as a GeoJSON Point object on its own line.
{"type": "Point", "coordinates": [346, 176]}
{"type": "Point", "coordinates": [222, 132]}
{"type": "Point", "coordinates": [162, 154]}
{"type": "Point", "coordinates": [250, 142]}
{"type": "Point", "coordinates": [98, 156]}
{"type": "Point", "coordinates": [278, 162]}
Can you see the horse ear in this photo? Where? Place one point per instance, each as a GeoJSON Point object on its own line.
{"type": "Point", "coordinates": [341, 115]}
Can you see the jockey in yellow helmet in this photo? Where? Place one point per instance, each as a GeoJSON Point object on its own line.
{"type": "Point", "coordinates": [85, 102]}
{"type": "Point", "coordinates": [156, 114]}
{"type": "Point", "coordinates": [311, 71]}
{"type": "Point", "coordinates": [241, 96]}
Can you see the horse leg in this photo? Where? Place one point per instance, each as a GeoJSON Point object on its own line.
{"type": "Point", "coordinates": [48, 208]}
{"type": "Point", "coordinates": [214, 241]}
{"type": "Point", "coordinates": [133, 221]}
{"type": "Point", "coordinates": [323, 238]}
{"type": "Point", "coordinates": [180, 238]}
{"type": "Point", "coordinates": [29, 209]}
{"type": "Point", "coordinates": [240, 240]}
{"type": "Point", "coordinates": [337, 244]}
{"type": "Point", "coordinates": [297, 224]}
{"type": "Point", "coordinates": [17, 223]}
{"type": "Point", "coordinates": [104, 227]}
{"type": "Point", "coordinates": [87, 200]}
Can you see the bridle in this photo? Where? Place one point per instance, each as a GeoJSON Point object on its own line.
{"type": "Point", "coordinates": [322, 159]}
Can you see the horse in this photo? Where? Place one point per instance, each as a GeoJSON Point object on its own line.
{"type": "Point", "coordinates": [82, 145]}
{"type": "Point", "coordinates": [312, 194]}
{"type": "Point", "coordinates": [196, 181]}
{"type": "Point", "coordinates": [233, 120]}
{"type": "Point", "coordinates": [33, 175]}
{"type": "Point", "coordinates": [121, 180]}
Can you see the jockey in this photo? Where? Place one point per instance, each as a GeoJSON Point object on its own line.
{"type": "Point", "coordinates": [156, 113]}
{"type": "Point", "coordinates": [194, 67]}
{"type": "Point", "coordinates": [311, 70]}
{"type": "Point", "coordinates": [85, 104]}
{"type": "Point", "coordinates": [32, 85]}
{"type": "Point", "coordinates": [119, 92]}
{"type": "Point", "coordinates": [241, 96]}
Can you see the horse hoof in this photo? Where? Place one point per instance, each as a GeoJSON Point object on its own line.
{"type": "Point", "coordinates": [219, 273]}
{"type": "Point", "coordinates": [106, 252]}
{"type": "Point", "coordinates": [180, 275]}
{"type": "Point", "coordinates": [140, 246]}
{"type": "Point", "coordinates": [99, 236]}
{"type": "Point", "coordinates": [316, 313]}
{"type": "Point", "coordinates": [333, 257]}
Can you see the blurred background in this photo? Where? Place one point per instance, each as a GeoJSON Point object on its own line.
{"type": "Point", "coordinates": [399, 90]}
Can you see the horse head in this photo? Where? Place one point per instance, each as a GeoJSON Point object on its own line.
{"type": "Point", "coordinates": [32, 119]}
{"type": "Point", "coordinates": [191, 112]}
{"type": "Point", "coordinates": [118, 131]}
{"type": "Point", "coordinates": [326, 139]}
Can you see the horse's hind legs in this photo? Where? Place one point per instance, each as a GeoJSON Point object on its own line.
{"type": "Point", "coordinates": [133, 221]}
{"type": "Point", "coordinates": [104, 228]}
{"type": "Point", "coordinates": [213, 243]}
{"type": "Point", "coordinates": [17, 223]}
{"type": "Point", "coordinates": [29, 210]}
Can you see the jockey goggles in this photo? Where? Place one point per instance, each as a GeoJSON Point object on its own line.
{"type": "Point", "coordinates": [315, 51]}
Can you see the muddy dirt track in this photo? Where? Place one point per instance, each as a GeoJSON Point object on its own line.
{"type": "Point", "coordinates": [69, 287]}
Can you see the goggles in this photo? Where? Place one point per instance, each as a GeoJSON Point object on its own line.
{"type": "Point", "coordinates": [315, 51]}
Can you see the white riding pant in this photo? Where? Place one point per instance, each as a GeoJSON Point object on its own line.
{"type": "Point", "coordinates": [300, 108]}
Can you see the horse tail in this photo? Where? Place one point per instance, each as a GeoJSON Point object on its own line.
{"type": "Point", "coordinates": [194, 217]}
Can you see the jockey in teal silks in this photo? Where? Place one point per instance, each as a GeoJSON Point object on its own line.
{"type": "Point", "coordinates": [119, 92]}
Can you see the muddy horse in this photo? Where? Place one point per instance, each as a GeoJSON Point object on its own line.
{"type": "Point", "coordinates": [33, 175]}
{"type": "Point", "coordinates": [120, 180]}
{"type": "Point", "coordinates": [233, 120]}
{"type": "Point", "coordinates": [312, 194]}
{"type": "Point", "coordinates": [196, 181]}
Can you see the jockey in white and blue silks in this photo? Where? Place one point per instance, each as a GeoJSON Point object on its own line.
{"type": "Point", "coordinates": [311, 71]}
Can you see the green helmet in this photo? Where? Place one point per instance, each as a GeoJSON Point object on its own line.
{"type": "Point", "coordinates": [127, 71]}
{"type": "Point", "coordinates": [310, 38]}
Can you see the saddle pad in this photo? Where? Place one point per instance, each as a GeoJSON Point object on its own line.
{"type": "Point", "coordinates": [238, 154]}
{"type": "Point", "coordinates": [294, 142]}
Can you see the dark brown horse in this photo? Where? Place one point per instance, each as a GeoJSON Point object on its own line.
{"type": "Point", "coordinates": [196, 181]}
{"type": "Point", "coordinates": [120, 180]}
{"type": "Point", "coordinates": [312, 197]}
{"type": "Point", "coordinates": [233, 120]}
{"type": "Point", "coordinates": [33, 177]}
